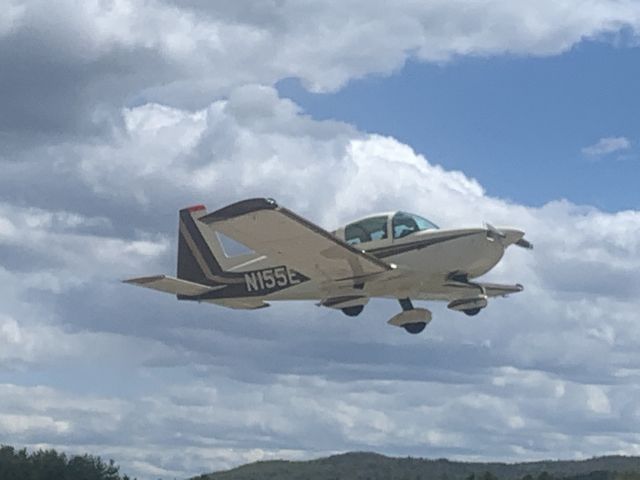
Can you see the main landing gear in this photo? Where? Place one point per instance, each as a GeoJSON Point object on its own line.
{"type": "Point", "coordinates": [413, 320]}
{"type": "Point", "coordinates": [470, 305]}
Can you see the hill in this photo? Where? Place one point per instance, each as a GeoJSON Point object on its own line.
{"type": "Point", "coordinates": [372, 466]}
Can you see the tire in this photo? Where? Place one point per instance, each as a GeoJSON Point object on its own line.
{"type": "Point", "coordinates": [414, 328]}
{"type": "Point", "coordinates": [472, 311]}
{"type": "Point", "coordinates": [353, 311]}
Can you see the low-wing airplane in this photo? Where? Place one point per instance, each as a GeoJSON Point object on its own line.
{"type": "Point", "coordinates": [392, 255]}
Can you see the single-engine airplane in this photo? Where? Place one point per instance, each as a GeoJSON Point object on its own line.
{"type": "Point", "coordinates": [392, 255]}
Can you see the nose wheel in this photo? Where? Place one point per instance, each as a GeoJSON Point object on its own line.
{"type": "Point", "coordinates": [413, 320]}
{"type": "Point", "coordinates": [415, 328]}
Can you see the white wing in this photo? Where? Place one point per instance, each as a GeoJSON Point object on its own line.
{"type": "Point", "coordinates": [271, 230]}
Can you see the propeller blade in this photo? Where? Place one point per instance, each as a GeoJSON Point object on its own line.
{"type": "Point", "coordinates": [525, 244]}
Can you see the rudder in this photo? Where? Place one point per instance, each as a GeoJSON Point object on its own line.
{"type": "Point", "coordinates": [196, 258]}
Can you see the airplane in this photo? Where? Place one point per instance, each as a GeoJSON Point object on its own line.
{"type": "Point", "coordinates": [394, 255]}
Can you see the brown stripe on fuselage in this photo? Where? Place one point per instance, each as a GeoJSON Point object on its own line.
{"type": "Point", "coordinates": [382, 252]}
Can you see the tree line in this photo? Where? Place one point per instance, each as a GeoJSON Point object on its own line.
{"type": "Point", "coordinates": [51, 465]}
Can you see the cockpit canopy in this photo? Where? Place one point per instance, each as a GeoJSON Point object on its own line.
{"type": "Point", "coordinates": [378, 227]}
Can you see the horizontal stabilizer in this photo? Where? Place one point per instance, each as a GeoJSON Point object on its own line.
{"type": "Point", "coordinates": [164, 283]}
{"type": "Point", "coordinates": [459, 288]}
{"type": "Point", "coordinates": [240, 303]}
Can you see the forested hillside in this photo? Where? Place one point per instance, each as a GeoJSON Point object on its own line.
{"type": "Point", "coordinates": [51, 465]}
{"type": "Point", "coordinates": [370, 466]}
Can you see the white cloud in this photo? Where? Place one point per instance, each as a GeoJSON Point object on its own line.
{"type": "Point", "coordinates": [258, 422]}
{"type": "Point", "coordinates": [255, 144]}
{"type": "Point", "coordinates": [70, 249]}
{"type": "Point", "coordinates": [185, 54]}
{"type": "Point", "coordinates": [16, 424]}
{"type": "Point", "coordinates": [597, 400]}
{"type": "Point", "coordinates": [12, 14]}
{"type": "Point", "coordinates": [607, 145]}
{"type": "Point", "coordinates": [530, 357]}
{"type": "Point", "coordinates": [332, 173]}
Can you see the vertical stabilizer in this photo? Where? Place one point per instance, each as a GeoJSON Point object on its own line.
{"type": "Point", "coordinates": [201, 255]}
{"type": "Point", "coordinates": [192, 249]}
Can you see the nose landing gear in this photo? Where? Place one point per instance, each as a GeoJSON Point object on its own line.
{"type": "Point", "coordinates": [413, 320]}
{"type": "Point", "coordinates": [415, 328]}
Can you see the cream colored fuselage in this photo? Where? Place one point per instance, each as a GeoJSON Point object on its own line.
{"type": "Point", "coordinates": [424, 260]}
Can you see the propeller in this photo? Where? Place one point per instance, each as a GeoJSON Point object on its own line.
{"type": "Point", "coordinates": [524, 244]}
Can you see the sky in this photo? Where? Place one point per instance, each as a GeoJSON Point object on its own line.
{"type": "Point", "coordinates": [115, 114]}
{"type": "Point", "coordinates": [510, 119]}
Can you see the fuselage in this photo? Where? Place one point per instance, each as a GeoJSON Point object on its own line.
{"type": "Point", "coordinates": [425, 260]}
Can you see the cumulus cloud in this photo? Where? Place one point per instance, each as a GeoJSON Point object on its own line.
{"type": "Point", "coordinates": [60, 243]}
{"type": "Point", "coordinates": [607, 145]}
{"type": "Point", "coordinates": [74, 67]}
{"type": "Point", "coordinates": [565, 345]}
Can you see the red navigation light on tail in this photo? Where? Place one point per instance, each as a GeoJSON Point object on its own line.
{"type": "Point", "coordinates": [196, 208]}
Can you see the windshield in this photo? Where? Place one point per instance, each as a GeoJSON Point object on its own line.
{"type": "Point", "coordinates": [374, 228]}
{"type": "Point", "coordinates": [406, 223]}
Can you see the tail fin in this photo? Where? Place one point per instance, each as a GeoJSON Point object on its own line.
{"type": "Point", "coordinates": [201, 256]}
{"type": "Point", "coordinates": [196, 259]}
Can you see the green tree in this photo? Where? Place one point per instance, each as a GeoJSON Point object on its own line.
{"type": "Point", "coordinates": [545, 476]}
{"type": "Point", "coordinates": [51, 465]}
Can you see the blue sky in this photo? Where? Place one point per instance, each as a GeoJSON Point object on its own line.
{"type": "Point", "coordinates": [517, 124]}
{"type": "Point", "coordinates": [115, 114]}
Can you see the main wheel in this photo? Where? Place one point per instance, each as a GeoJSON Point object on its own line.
{"type": "Point", "coordinates": [353, 311]}
{"type": "Point", "coordinates": [472, 311]}
{"type": "Point", "coordinates": [414, 328]}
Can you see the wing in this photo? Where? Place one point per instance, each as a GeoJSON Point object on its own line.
{"type": "Point", "coordinates": [490, 289]}
{"type": "Point", "coordinates": [265, 227]}
{"type": "Point", "coordinates": [497, 290]}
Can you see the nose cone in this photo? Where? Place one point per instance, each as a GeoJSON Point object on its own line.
{"type": "Point", "coordinates": [506, 236]}
{"type": "Point", "coordinates": [511, 236]}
